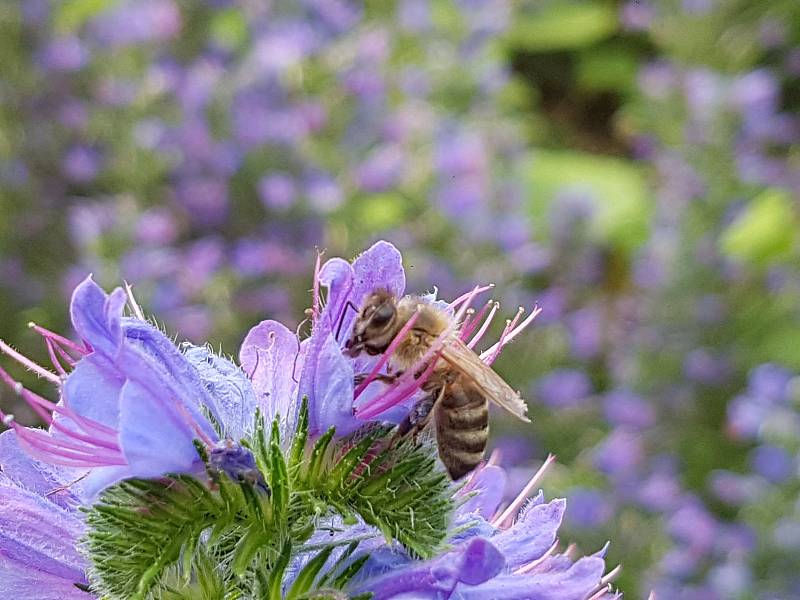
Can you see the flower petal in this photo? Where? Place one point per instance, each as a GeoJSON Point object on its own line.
{"type": "Point", "coordinates": [575, 582]}
{"type": "Point", "coordinates": [96, 316]}
{"type": "Point", "coordinates": [59, 485]}
{"type": "Point", "coordinates": [337, 275]}
{"type": "Point", "coordinates": [271, 357]}
{"type": "Point", "coordinates": [38, 534]}
{"type": "Point", "coordinates": [331, 401]}
{"type": "Point", "coordinates": [472, 563]}
{"type": "Point", "coordinates": [532, 534]}
{"type": "Point", "coordinates": [92, 390]}
{"type": "Point", "coordinates": [487, 487]}
{"type": "Point", "coordinates": [229, 387]}
{"type": "Point", "coordinates": [156, 435]}
{"type": "Point", "coordinates": [23, 581]}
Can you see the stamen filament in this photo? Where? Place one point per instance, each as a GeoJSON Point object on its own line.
{"type": "Point", "coordinates": [137, 310]}
{"type": "Point", "coordinates": [512, 334]}
{"type": "Point", "coordinates": [54, 358]}
{"type": "Point", "coordinates": [463, 297]}
{"type": "Point", "coordinates": [502, 342]}
{"type": "Point", "coordinates": [512, 508]}
{"type": "Point", "coordinates": [315, 291]}
{"type": "Point", "coordinates": [29, 364]}
{"type": "Point", "coordinates": [476, 338]}
{"type": "Point", "coordinates": [387, 354]}
{"type": "Point", "coordinates": [59, 339]}
{"type": "Point", "coordinates": [469, 325]}
{"type": "Point", "coordinates": [534, 563]}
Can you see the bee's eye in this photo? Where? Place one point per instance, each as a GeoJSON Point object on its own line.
{"type": "Point", "coordinates": [382, 314]}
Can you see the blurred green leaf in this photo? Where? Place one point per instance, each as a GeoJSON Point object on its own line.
{"type": "Point", "coordinates": [764, 232]}
{"type": "Point", "coordinates": [607, 69]}
{"type": "Point", "coordinates": [380, 211]}
{"type": "Point", "coordinates": [70, 15]}
{"type": "Point", "coordinates": [229, 28]}
{"type": "Point", "coordinates": [617, 186]}
{"type": "Point", "coordinates": [563, 26]}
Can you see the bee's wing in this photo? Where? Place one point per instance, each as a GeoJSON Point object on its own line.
{"type": "Point", "coordinates": [496, 390]}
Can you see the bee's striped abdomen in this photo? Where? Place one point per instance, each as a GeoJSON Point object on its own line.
{"type": "Point", "coordinates": [462, 428]}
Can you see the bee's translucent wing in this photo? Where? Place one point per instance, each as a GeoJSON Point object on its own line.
{"type": "Point", "coordinates": [496, 390]}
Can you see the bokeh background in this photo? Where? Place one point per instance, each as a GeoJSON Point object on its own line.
{"type": "Point", "coordinates": [633, 167]}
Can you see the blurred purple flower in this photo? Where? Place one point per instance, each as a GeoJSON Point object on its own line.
{"type": "Point", "coordinates": [622, 407]}
{"type": "Point", "coordinates": [564, 388]}
{"type": "Point", "coordinates": [64, 54]}
{"type": "Point", "coordinates": [277, 191]}
{"type": "Point", "coordinates": [588, 508]}
{"type": "Point", "coordinates": [81, 164]}
{"type": "Point", "coordinates": [620, 454]}
{"type": "Point", "coordinates": [773, 462]}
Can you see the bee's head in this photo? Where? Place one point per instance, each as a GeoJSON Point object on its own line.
{"type": "Point", "coordinates": [374, 328]}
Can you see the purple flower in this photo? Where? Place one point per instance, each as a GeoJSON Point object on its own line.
{"type": "Point", "coordinates": [564, 388]}
{"type": "Point", "coordinates": [499, 554]}
{"type": "Point", "coordinates": [131, 404]}
{"type": "Point", "coordinates": [622, 407]}
{"type": "Point", "coordinates": [773, 462]}
{"type": "Point", "coordinates": [277, 191]}
{"type": "Point", "coordinates": [320, 369]}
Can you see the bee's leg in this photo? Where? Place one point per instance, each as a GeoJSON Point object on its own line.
{"type": "Point", "coordinates": [418, 417]}
{"type": "Point", "coordinates": [359, 378]}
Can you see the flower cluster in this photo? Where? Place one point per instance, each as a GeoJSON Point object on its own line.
{"type": "Point", "coordinates": [174, 470]}
{"type": "Point", "coordinates": [255, 135]}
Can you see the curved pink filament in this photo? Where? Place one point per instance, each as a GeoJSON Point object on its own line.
{"type": "Point", "coordinates": [385, 356]}
{"type": "Point", "coordinates": [512, 334]}
{"type": "Point", "coordinates": [29, 364]}
{"type": "Point", "coordinates": [512, 508]}
{"type": "Point", "coordinates": [469, 294]}
{"type": "Point", "coordinates": [486, 323]}
{"type": "Point", "coordinates": [60, 339]}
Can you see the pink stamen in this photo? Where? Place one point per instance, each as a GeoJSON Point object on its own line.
{"type": "Point", "coordinates": [59, 339]}
{"type": "Point", "coordinates": [64, 355]}
{"type": "Point", "coordinates": [403, 389]}
{"type": "Point", "coordinates": [387, 354]}
{"type": "Point", "coordinates": [502, 342]}
{"type": "Point", "coordinates": [600, 594]}
{"type": "Point", "coordinates": [494, 457]}
{"type": "Point", "coordinates": [407, 384]}
{"type": "Point", "coordinates": [533, 564]}
{"type": "Point", "coordinates": [512, 334]}
{"type": "Point", "coordinates": [29, 364]}
{"type": "Point", "coordinates": [64, 457]}
{"type": "Point", "coordinates": [54, 358]}
{"type": "Point", "coordinates": [488, 321]}
{"type": "Point", "coordinates": [315, 290]}
{"type": "Point", "coordinates": [470, 294]}
{"type": "Point", "coordinates": [512, 508]}
{"type": "Point", "coordinates": [459, 316]}
{"type": "Point", "coordinates": [21, 391]}
{"type": "Point", "coordinates": [470, 323]}
{"type": "Point", "coordinates": [611, 575]}
{"type": "Point", "coordinates": [137, 310]}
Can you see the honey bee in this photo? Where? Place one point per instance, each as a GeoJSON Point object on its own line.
{"type": "Point", "coordinates": [459, 389]}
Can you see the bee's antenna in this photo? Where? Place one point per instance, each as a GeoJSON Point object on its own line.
{"type": "Point", "coordinates": [347, 305]}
